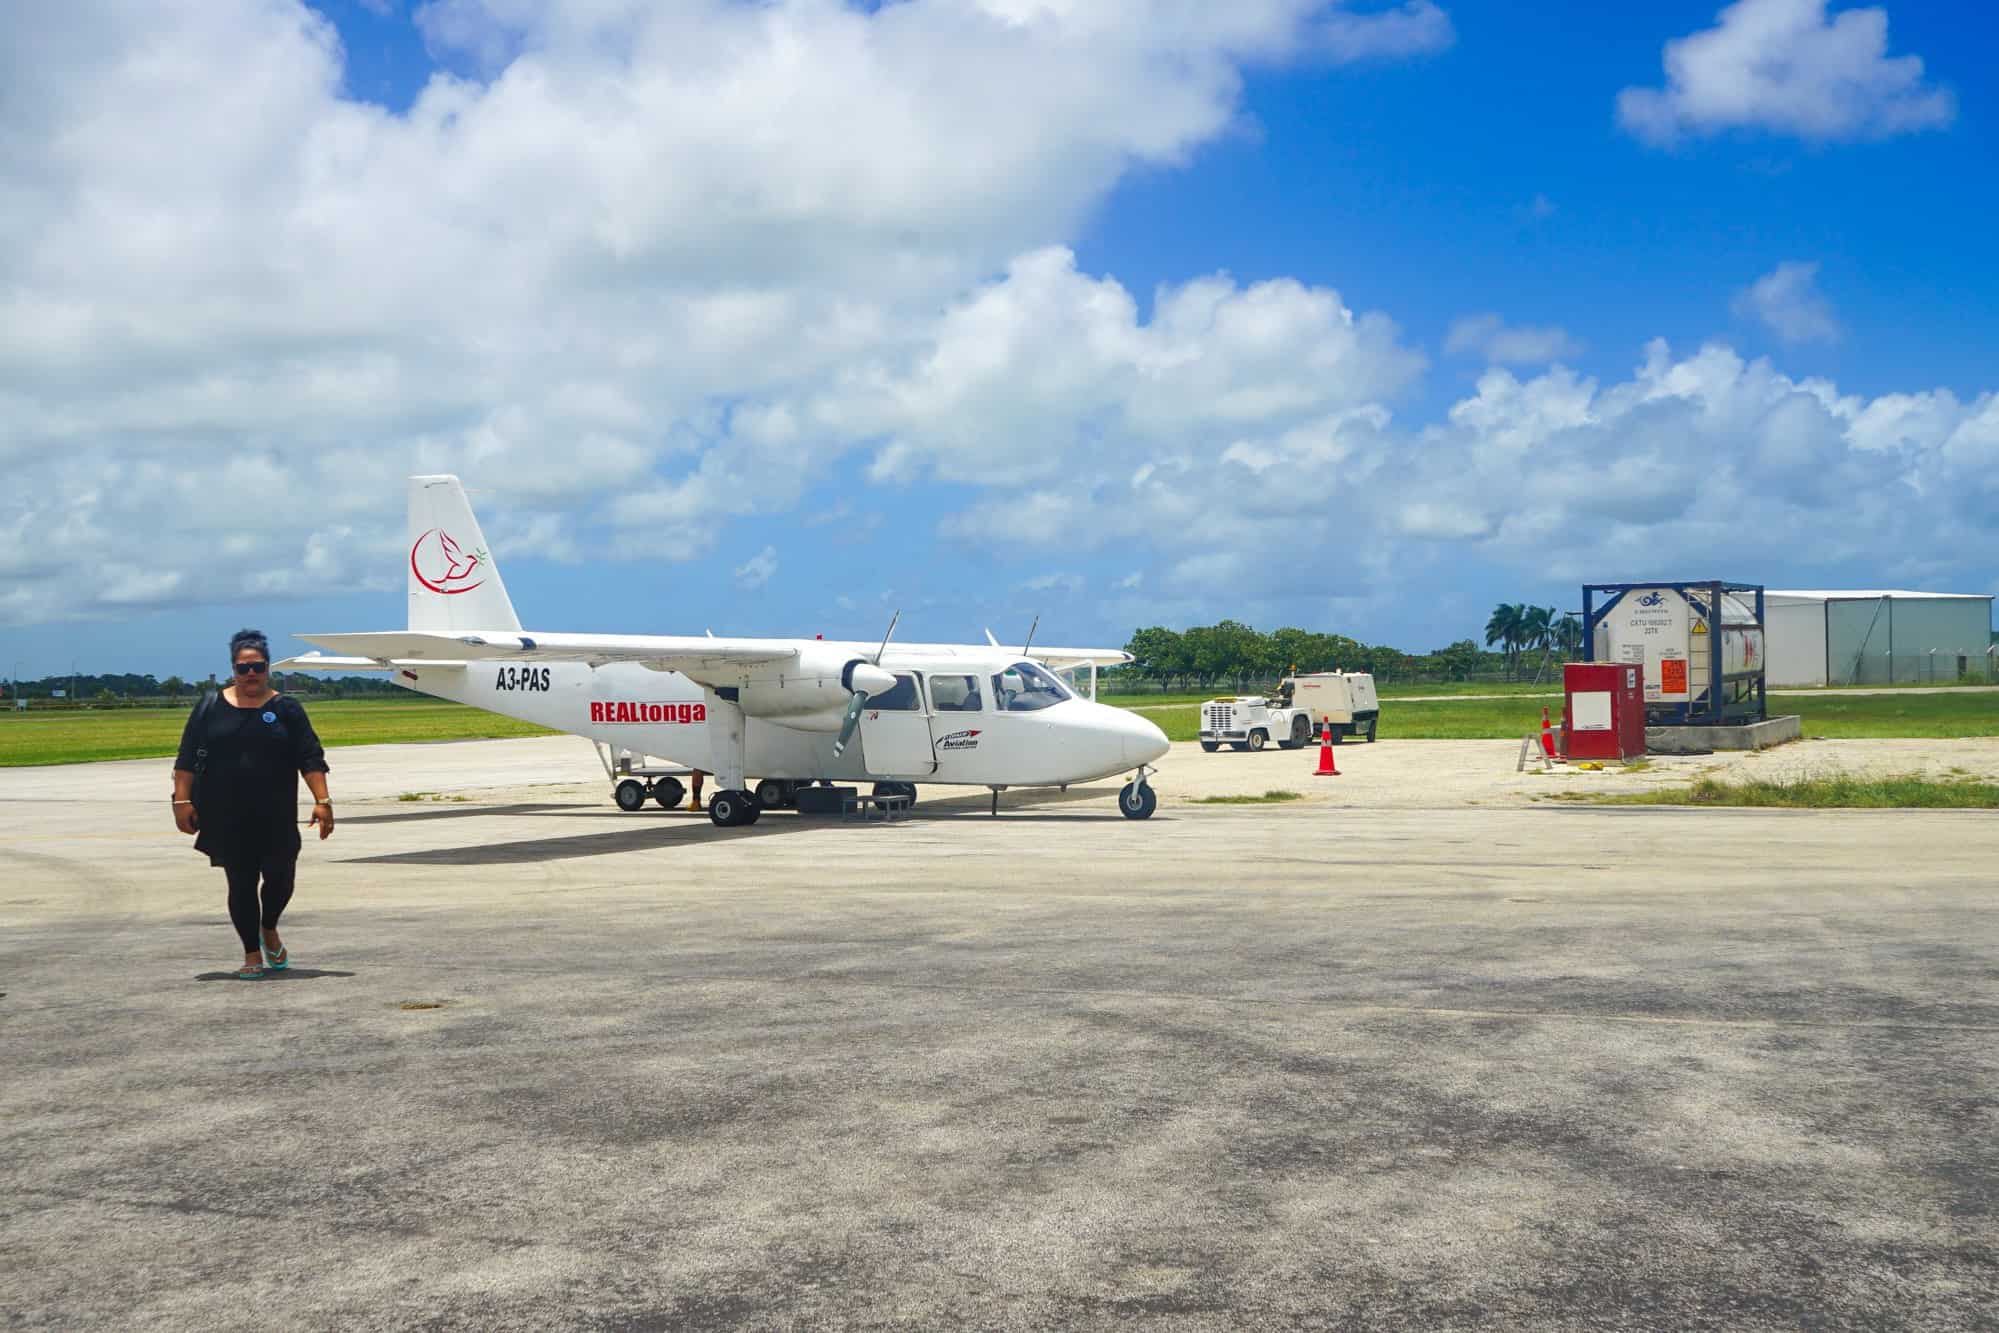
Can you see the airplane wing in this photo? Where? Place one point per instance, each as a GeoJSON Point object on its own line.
{"type": "Point", "coordinates": [698, 658]}
{"type": "Point", "coordinates": [321, 662]}
{"type": "Point", "coordinates": [1069, 657]}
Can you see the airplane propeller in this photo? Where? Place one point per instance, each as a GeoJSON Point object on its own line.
{"type": "Point", "coordinates": [863, 679]}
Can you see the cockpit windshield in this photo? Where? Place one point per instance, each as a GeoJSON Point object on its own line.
{"type": "Point", "coordinates": [1025, 687]}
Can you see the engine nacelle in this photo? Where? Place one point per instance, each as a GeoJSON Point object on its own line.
{"type": "Point", "coordinates": [812, 693]}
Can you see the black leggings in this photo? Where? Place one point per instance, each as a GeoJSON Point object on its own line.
{"type": "Point", "coordinates": [243, 913]}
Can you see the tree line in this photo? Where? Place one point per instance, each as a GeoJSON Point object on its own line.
{"type": "Point", "coordinates": [1231, 652]}
{"type": "Point", "coordinates": [116, 689]}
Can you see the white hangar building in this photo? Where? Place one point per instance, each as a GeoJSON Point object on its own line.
{"type": "Point", "coordinates": [1876, 637]}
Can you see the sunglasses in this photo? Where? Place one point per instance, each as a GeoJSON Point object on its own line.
{"type": "Point", "coordinates": [252, 668]}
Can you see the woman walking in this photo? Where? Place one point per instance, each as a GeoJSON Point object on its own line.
{"type": "Point", "coordinates": [236, 790]}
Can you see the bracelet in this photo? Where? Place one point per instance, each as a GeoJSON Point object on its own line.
{"type": "Point", "coordinates": [327, 804]}
{"type": "Point", "coordinates": [183, 802]}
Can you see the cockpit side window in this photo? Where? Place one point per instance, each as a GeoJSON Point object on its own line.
{"type": "Point", "coordinates": [1025, 688]}
{"type": "Point", "coordinates": [955, 694]}
{"type": "Point", "coordinates": [902, 699]}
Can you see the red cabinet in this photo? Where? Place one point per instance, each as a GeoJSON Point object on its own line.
{"type": "Point", "coordinates": [1603, 715]}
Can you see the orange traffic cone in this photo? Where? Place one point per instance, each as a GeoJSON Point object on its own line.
{"type": "Point", "coordinates": [1327, 768]}
{"type": "Point", "coordinates": [1548, 736]}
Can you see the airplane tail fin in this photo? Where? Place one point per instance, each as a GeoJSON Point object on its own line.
{"type": "Point", "coordinates": [454, 582]}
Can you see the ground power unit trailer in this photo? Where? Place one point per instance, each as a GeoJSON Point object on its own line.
{"type": "Point", "coordinates": [1343, 700]}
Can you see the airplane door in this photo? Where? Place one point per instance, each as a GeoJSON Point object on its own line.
{"type": "Point", "coordinates": [895, 732]}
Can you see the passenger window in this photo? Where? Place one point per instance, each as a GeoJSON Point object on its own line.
{"type": "Point", "coordinates": [955, 694]}
{"type": "Point", "coordinates": [902, 699]}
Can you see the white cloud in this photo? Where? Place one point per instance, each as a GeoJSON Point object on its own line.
{"type": "Point", "coordinates": [758, 570]}
{"type": "Point", "coordinates": [1129, 581]}
{"type": "Point", "coordinates": [670, 264]}
{"type": "Point", "coordinates": [1787, 300]}
{"type": "Point", "coordinates": [1787, 67]}
{"type": "Point", "coordinates": [1415, 28]}
{"type": "Point", "coordinates": [594, 280]}
{"type": "Point", "coordinates": [1070, 584]}
{"type": "Point", "coordinates": [1047, 363]}
{"type": "Point", "coordinates": [1705, 457]}
{"type": "Point", "coordinates": [1499, 343]}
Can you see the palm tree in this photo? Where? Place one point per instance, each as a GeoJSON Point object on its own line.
{"type": "Point", "coordinates": [1504, 629]}
{"type": "Point", "coordinates": [1569, 637]}
{"type": "Point", "coordinates": [1537, 630]}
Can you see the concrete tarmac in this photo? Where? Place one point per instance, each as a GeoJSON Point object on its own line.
{"type": "Point", "coordinates": [544, 1064]}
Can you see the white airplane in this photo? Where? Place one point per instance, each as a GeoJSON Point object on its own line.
{"type": "Point", "coordinates": [786, 710]}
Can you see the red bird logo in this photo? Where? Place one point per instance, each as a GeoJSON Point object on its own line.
{"type": "Point", "coordinates": [447, 562]}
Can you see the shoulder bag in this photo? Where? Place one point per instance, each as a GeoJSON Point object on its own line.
{"type": "Point", "coordinates": [200, 725]}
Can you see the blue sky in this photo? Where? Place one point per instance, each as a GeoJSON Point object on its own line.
{"type": "Point", "coordinates": [1825, 238]}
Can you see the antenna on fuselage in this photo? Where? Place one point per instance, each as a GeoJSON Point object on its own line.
{"type": "Point", "coordinates": [886, 637]}
{"type": "Point", "coordinates": [1030, 636]}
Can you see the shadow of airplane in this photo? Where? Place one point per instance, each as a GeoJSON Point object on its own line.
{"type": "Point", "coordinates": [643, 834]}
{"type": "Point", "coordinates": [454, 811]}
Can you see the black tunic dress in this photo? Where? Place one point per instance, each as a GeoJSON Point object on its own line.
{"type": "Point", "coordinates": [248, 806]}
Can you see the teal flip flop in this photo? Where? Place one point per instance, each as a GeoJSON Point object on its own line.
{"type": "Point", "coordinates": [249, 973]}
{"type": "Point", "coordinates": [278, 962]}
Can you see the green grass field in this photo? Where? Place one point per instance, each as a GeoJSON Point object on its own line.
{"type": "Point", "coordinates": [1944, 714]}
{"type": "Point", "coordinates": [136, 733]}
{"type": "Point", "coordinates": [1838, 792]}
{"type": "Point", "coordinates": [86, 736]}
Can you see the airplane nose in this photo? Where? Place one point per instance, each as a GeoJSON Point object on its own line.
{"type": "Point", "coordinates": [1143, 740]}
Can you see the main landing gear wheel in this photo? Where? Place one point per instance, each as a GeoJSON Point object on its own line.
{"type": "Point", "coordinates": [897, 789]}
{"type": "Point", "coordinates": [773, 793]}
{"type": "Point", "coordinates": [733, 809]}
{"type": "Point", "coordinates": [1137, 800]}
{"type": "Point", "coordinates": [631, 795]}
{"type": "Point", "coordinates": [669, 793]}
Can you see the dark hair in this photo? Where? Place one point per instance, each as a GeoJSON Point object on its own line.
{"type": "Point", "coordinates": [248, 638]}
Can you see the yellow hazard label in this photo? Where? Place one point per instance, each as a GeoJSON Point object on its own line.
{"type": "Point", "coordinates": [1700, 627]}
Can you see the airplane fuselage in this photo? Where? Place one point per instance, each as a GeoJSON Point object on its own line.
{"type": "Point", "coordinates": [924, 733]}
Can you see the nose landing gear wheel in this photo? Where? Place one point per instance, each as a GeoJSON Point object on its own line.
{"type": "Point", "coordinates": [669, 793]}
{"type": "Point", "coordinates": [1137, 800]}
{"type": "Point", "coordinates": [630, 794]}
{"type": "Point", "coordinates": [733, 809]}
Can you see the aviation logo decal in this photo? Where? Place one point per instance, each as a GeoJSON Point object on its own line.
{"type": "Point", "coordinates": [442, 566]}
{"type": "Point", "coordinates": [960, 740]}
{"type": "Point", "coordinates": [677, 714]}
